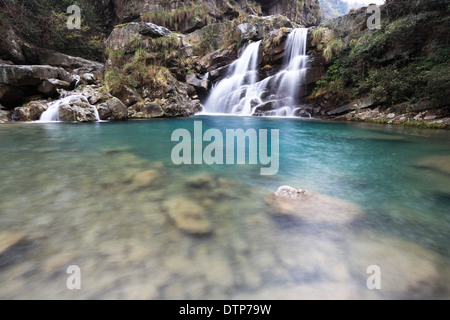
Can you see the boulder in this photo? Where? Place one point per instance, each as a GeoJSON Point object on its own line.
{"type": "Point", "coordinates": [199, 84]}
{"type": "Point", "coordinates": [8, 239]}
{"type": "Point", "coordinates": [395, 258]}
{"type": "Point", "coordinates": [152, 30]}
{"type": "Point", "coordinates": [312, 207]}
{"type": "Point", "coordinates": [19, 82]}
{"type": "Point", "coordinates": [218, 74]}
{"type": "Point", "coordinates": [122, 35]}
{"type": "Point", "coordinates": [216, 188]}
{"type": "Point", "coordinates": [438, 164]}
{"type": "Point", "coordinates": [11, 96]}
{"type": "Point", "coordinates": [11, 45]}
{"type": "Point", "coordinates": [127, 95]}
{"type": "Point", "coordinates": [305, 12]}
{"type": "Point", "coordinates": [50, 86]}
{"type": "Point", "coordinates": [196, 38]}
{"type": "Point", "coordinates": [349, 25]}
{"type": "Point", "coordinates": [4, 115]}
{"type": "Point", "coordinates": [76, 108]}
{"type": "Point", "coordinates": [91, 92]}
{"type": "Point", "coordinates": [104, 112]}
{"type": "Point", "coordinates": [77, 113]}
{"type": "Point", "coordinates": [144, 179]}
{"type": "Point", "coordinates": [188, 216]}
{"type": "Point", "coordinates": [30, 112]}
{"type": "Point", "coordinates": [145, 110]}
{"type": "Point", "coordinates": [54, 58]}
{"type": "Point", "coordinates": [32, 75]}
{"type": "Point", "coordinates": [164, 87]}
{"type": "Point", "coordinates": [118, 110]}
{"type": "Point", "coordinates": [255, 28]}
{"type": "Point", "coordinates": [179, 106]}
{"type": "Point", "coordinates": [354, 105]}
{"type": "Point", "coordinates": [272, 49]}
{"type": "Point", "coordinates": [88, 78]}
{"type": "Point", "coordinates": [215, 60]}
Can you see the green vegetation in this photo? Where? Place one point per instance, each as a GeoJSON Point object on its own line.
{"type": "Point", "coordinates": [408, 60]}
{"type": "Point", "coordinates": [424, 125]}
{"type": "Point", "coordinates": [196, 15]}
{"type": "Point", "coordinates": [380, 121]}
{"type": "Point", "coordinates": [43, 23]}
{"type": "Point", "coordinates": [209, 43]}
{"type": "Point", "coordinates": [317, 35]}
{"type": "Point", "coordinates": [332, 48]}
{"type": "Point", "coordinates": [144, 65]}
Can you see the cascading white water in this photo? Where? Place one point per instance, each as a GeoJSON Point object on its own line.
{"type": "Point", "coordinates": [226, 97]}
{"type": "Point", "coordinates": [52, 113]}
{"type": "Point", "coordinates": [77, 82]}
{"type": "Point", "coordinates": [241, 94]}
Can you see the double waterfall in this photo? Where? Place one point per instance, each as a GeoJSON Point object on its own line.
{"type": "Point", "coordinates": [240, 93]}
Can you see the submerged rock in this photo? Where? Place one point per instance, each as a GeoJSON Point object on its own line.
{"type": "Point", "coordinates": [144, 179]}
{"type": "Point", "coordinates": [439, 164]}
{"type": "Point", "coordinates": [408, 271]}
{"type": "Point", "coordinates": [188, 216]}
{"type": "Point", "coordinates": [208, 186]}
{"type": "Point", "coordinates": [9, 239]}
{"type": "Point", "coordinates": [312, 207]}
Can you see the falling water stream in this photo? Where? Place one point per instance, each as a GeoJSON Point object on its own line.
{"type": "Point", "coordinates": [52, 113]}
{"type": "Point", "coordinates": [240, 93]}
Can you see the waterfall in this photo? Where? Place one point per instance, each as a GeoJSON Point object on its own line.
{"type": "Point", "coordinates": [78, 82]}
{"type": "Point", "coordinates": [229, 95]}
{"type": "Point", "coordinates": [240, 93]}
{"type": "Point", "coordinates": [52, 112]}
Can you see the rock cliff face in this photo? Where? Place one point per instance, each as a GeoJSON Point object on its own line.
{"type": "Point", "coordinates": [306, 12]}
{"type": "Point", "coordinates": [193, 14]}
{"type": "Point", "coordinates": [398, 74]}
{"type": "Point", "coordinates": [157, 53]}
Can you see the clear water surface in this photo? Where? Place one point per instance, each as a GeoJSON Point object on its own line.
{"type": "Point", "coordinates": [70, 195]}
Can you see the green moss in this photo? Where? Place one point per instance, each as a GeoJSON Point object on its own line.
{"type": "Point", "coordinates": [333, 47]}
{"type": "Point", "coordinates": [425, 125]}
{"type": "Point", "coordinates": [209, 43]}
{"type": "Point", "coordinates": [399, 63]}
{"type": "Point", "coordinates": [317, 35]}
{"type": "Point", "coordinates": [380, 121]}
{"type": "Point", "coordinates": [412, 124]}
{"type": "Point", "coordinates": [143, 65]}
{"type": "Point", "coordinates": [44, 24]}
